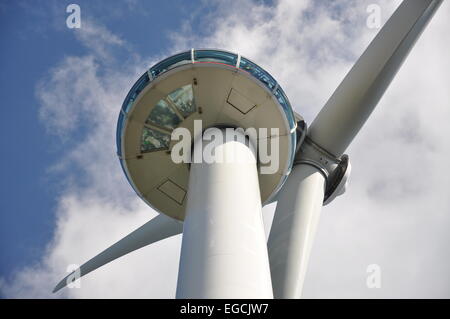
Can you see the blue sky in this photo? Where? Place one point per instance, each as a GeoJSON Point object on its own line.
{"type": "Point", "coordinates": [64, 197]}
{"type": "Point", "coordinates": [34, 38]}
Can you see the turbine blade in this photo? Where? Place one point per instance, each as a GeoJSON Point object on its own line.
{"type": "Point", "coordinates": [354, 100]}
{"type": "Point", "coordinates": [293, 229]}
{"type": "Point", "coordinates": [158, 228]}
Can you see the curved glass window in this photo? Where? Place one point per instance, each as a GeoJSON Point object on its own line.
{"type": "Point", "coordinates": [283, 100]}
{"type": "Point", "coordinates": [134, 92]}
{"type": "Point", "coordinates": [119, 131]}
{"type": "Point", "coordinates": [166, 113]}
{"type": "Point", "coordinates": [259, 73]}
{"type": "Point", "coordinates": [162, 115]}
{"type": "Point", "coordinates": [183, 99]}
{"type": "Point", "coordinates": [170, 63]}
{"type": "Point", "coordinates": [165, 116]}
{"type": "Point", "coordinates": [215, 56]}
{"type": "Point", "coordinates": [153, 140]}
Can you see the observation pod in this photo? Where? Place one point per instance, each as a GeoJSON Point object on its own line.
{"type": "Point", "coordinates": [221, 89]}
{"type": "Point", "coordinates": [224, 251]}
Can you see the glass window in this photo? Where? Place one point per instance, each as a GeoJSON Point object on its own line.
{"type": "Point", "coordinates": [120, 123]}
{"type": "Point", "coordinates": [215, 56]}
{"type": "Point", "coordinates": [293, 147]}
{"type": "Point", "coordinates": [283, 100]}
{"type": "Point", "coordinates": [170, 63]}
{"type": "Point", "coordinates": [183, 99]}
{"type": "Point", "coordinates": [259, 73]}
{"type": "Point", "coordinates": [134, 92]}
{"type": "Point", "coordinates": [162, 115]}
{"type": "Point", "coordinates": [153, 140]}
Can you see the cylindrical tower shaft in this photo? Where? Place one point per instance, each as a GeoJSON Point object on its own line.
{"type": "Point", "coordinates": [293, 229]}
{"type": "Point", "coordinates": [224, 252]}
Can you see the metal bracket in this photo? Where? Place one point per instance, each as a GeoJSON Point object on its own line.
{"type": "Point", "coordinates": [335, 170]}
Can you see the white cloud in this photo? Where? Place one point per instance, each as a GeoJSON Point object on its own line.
{"type": "Point", "coordinates": [394, 214]}
{"type": "Point", "coordinates": [85, 226]}
{"type": "Point", "coordinates": [99, 39]}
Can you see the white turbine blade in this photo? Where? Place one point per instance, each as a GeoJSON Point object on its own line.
{"type": "Point", "coordinates": [293, 229]}
{"type": "Point", "coordinates": [301, 198]}
{"type": "Point", "coordinates": [158, 228]}
{"type": "Point", "coordinates": [353, 101]}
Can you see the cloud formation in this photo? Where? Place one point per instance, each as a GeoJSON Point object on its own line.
{"type": "Point", "coordinates": [394, 214]}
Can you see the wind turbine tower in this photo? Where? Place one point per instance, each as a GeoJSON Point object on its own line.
{"type": "Point", "coordinates": [217, 205]}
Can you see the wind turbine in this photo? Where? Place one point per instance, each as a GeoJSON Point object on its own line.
{"type": "Point", "coordinates": [217, 206]}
